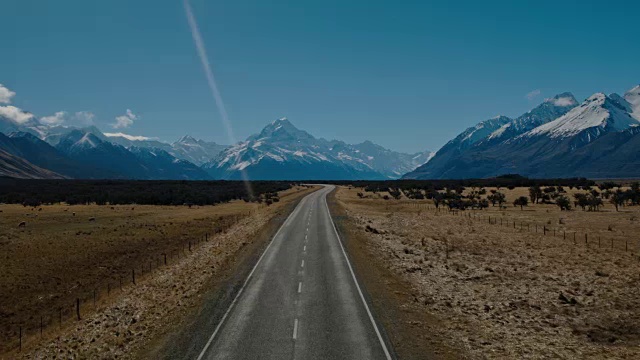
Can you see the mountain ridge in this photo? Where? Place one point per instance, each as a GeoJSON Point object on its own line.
{"type": "Point", "coordinates": [295, 154]}
{"type": "Point", "coordinates": [569, 145]}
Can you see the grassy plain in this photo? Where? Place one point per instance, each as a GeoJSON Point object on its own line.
{"type": "Point", "coordinates": [499, 291]}
{"type": "Point", "coordinates": [61, 254]}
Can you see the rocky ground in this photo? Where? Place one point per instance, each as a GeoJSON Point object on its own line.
{"type": "Point", "coordinates": [499, 292]}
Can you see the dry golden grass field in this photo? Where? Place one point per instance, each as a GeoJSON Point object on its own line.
{"type": "Point", "coordinates": [499, 291]}
{"type": "Point", "coordinates": [68, 252]}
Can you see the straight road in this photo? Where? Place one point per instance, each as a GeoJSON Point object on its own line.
{"type": "Point", "coordinates": [301, 301]}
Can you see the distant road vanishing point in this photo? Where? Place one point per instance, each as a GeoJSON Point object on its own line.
{"type": "Point", "coordinates": [301, 300]}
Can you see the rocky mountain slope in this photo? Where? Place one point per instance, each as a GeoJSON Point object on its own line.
{"type": "Point", "coordinates": [17, 167]}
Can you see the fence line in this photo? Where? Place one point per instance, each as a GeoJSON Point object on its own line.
{"type": "Point", "coordinates": [18, 336]}
{"type": "Point", "coordinates": [440, 211]}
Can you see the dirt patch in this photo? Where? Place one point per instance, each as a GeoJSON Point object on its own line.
{"type": "Point", "coordinates": [504, 291]}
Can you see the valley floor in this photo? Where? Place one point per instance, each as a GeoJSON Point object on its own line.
{"type": "Point", "coordinates": [456, 286]}
{"type": "Point", "coordinates": [61, 256]}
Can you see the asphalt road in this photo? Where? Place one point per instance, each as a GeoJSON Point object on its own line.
{"type": "Point", "coordinates": [301, 300]}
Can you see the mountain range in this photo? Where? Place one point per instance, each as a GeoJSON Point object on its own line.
{"type": "Point", "coordinates": [279, 151]}
{"type": "Point", "coordinates": [282, 151]}
{"type": "Point", "coordinates": [597, 138]}
{"type": "Point", "coordinates": [561, 137]}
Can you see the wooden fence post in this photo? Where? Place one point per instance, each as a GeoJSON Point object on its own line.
{"type": "Point", "coordinates": [133, 276]}
{"type": "Point", "coordinates": [78, 308]}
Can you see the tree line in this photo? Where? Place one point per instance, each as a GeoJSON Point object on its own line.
{"type": "Point", "coordinates": [475, 197]}
{"type": "Point", "coordinates": [510, 181]}
{"type": "Point", "coordinates": [145, 192]}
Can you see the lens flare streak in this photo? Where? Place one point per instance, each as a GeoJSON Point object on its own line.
{"type": "Point", "coordinates": [213, 86]}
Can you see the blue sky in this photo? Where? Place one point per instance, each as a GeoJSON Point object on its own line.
{"type": "Point", "coordinates": [408, 75]}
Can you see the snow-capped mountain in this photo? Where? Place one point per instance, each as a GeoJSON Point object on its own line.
{"type": "Point", "coordinates": [459, 145]}
{"type": "Point", "coordinates": [131, 163]}
{"type": "Point", "coordinates": [195, 150]}
{"type": "Point", "coordinates": [633, 98]}
{"type": "Point", "coordinates": [32, 149]}
{"type": "Point", "coordinates": [550, 109]}
{"type": "Point", "coordinates": [478, 133]}
{"type": "Point", "coordinates": [390, 163]}
{"type": "Point", "coordinates": [282, 151]}
{"type": "Point", "coordinates": [161, 165]}
{"type": "Point", "coordinates": [599, 113]}
{"type": "Point", "coordinates": [593, 139]}
{"type": "Point", "coordinates": [186, 148]}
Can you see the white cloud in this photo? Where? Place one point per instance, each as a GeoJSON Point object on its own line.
{"type": "Point", "coordinates": [15, 114]}
{"type": "Point", "coordinates": [533, 94]}
{"type": "Point", "coordinates": [129, 137]}
{"type": "Point", "coordinates": [5, 95]}
{"type": "Point", "coordinates": [126, 120]}
{"type": "Point", "coordinates": [84, 118]}
{"type": "Point", "coordinates": [563, 101]}
{"type": "Point", "coordinates": [56, 119]}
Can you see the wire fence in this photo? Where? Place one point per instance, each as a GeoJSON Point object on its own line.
{"type": "Point", "coordinates": [89, 300]}
{"type": "Point", "coordinates": [591, 239]}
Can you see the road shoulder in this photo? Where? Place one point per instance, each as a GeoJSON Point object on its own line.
{"type": "Point", "coordinates": [187, 339]}
{"type": "Point", "coordinates": [413, 333]}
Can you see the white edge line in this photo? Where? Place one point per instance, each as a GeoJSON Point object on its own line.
{"type": "Point", "coordinates": [373, 322]}
{"type": "Point", "coordinates": [224, 317]}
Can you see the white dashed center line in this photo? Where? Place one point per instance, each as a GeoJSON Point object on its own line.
{"type": "Point", "coordinates": [302, 264]}
{"type": "Point", "coordinates": [299, 287]}
{"type": "Point", "coordinates": [295, 329]}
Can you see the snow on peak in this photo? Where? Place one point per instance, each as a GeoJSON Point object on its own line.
{"type": "Point", "coordinates": [127, 136]}
{"type": "Point", "coordinates": [550, 109]}
{"type": "Point", "coordinates": [632, 96]}
{"type": "Point", "coordinates": [562, 100]}
{"type": "Point", "coordinates": [598, 111]}
{"type": "Point", "coordinates": [283, 130]}
{"type": "Point", "coordinates": [187, 139]}
{"type": "Point", "coordinates": [88, 140]}
{"type": "Point", "coordinates": [483, 129]}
